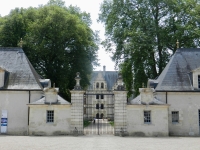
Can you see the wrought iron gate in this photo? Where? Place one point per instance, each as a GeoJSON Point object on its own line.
{"type": "Point", "coordinates": [99, 112]}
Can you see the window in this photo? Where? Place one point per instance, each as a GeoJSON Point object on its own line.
{"type": "Point", "coordinates": [50, 116]}
{"type": "Point", "coordinates": [147, 117]}
{"type": "Point", "coordinates": [97, 85]}
{"type": "Point", "coordinates": [175, 117]}
{"type": "Point", "coordinates": [97, 106]}
{"type": "Point", "coordinates": [102, 96]}
{"type": "Point", "coordinates": [102, 85]}
{"type": "Point", "coordinates": [199, 81]}
{"type": "Point", "coordinates": [97, 96]}
{"type": "Point", "coordinates": [102, 106]}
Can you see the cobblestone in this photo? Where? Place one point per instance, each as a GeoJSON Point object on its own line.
{"type": "Point", "coordinates": [96, 142]}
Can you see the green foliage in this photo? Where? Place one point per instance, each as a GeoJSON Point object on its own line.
{"type": "Point", "coordinates": [111, 123]}
{"type": "Point", "coordinates": [86, 123]}
{"type": "Point", "coordinates": [57, 41]}
{"type": "Point", "coordinates": [142, 34]}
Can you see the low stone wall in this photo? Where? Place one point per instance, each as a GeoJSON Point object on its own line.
{"type": "Point", "coordinates": [158, 125]}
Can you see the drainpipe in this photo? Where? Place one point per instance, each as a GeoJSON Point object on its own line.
{"type": "Point", "coordinates": [166, 97]}
{"type": "Point", "coordinates": [29, 100]}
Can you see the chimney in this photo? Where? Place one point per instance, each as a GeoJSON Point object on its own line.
{"type": "Point", "coordinates": [104, 70]}
{"type": "Point", "coordinates": [51, 95]}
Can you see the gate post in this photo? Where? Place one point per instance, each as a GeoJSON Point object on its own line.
{"type": "Point", "coordinates": [77, 108]}
{"type": "Point", "coordinates": [120, 119]}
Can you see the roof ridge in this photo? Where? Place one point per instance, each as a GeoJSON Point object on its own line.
{"type": "Point", "coordinates": [11, 49]}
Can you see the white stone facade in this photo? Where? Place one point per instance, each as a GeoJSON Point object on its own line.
{"type": "Point", "coordinates": [38, 124]}
{"type": "Point", "coordinates": [15, 102]}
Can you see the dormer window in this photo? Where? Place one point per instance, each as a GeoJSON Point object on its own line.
{"type": "Point", "coordinates": [102, 85]}
{"type": "Point", "coordinates": [97, 85]}
{"type": "Point", "coordinates": [199, 81]}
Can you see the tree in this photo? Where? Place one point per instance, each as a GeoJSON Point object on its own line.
{"type": "Point", "coordinates": [142, 34]}
{"type": "Point", "coordinates": [58, 43]}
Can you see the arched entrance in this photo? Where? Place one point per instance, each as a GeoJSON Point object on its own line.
{"type": "Point", "coordinates": [97, 116]}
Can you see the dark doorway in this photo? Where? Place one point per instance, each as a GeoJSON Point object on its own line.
{"type": "Point", "coordinates": [97, 116]}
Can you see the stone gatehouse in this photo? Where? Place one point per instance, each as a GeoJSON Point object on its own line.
{"type": "Point", "coordinates": [169, 105]}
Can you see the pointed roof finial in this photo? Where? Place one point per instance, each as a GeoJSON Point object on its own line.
{"type": "Point", "coordinates": [177, 44]}
{"type": "Point", "coordinates": [21, 43]}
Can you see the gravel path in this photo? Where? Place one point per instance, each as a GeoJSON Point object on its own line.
{"type": "Point", "coordinates": [101, 126]}
{"type": "Point", "coordinates": [95, 142]}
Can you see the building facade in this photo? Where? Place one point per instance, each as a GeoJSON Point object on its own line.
{"type": "Point", "coordinates": [175, 92]}
{"type": "Point", "coordinates": [169, 105]}
{"type": "Point", "coordinates": [19, 85]}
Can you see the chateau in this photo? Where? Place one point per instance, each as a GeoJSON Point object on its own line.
{"type": "Point", "coordinates": [99, 97]}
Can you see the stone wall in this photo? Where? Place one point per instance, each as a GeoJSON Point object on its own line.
{"type": "Point", "coordinates": [38, 120]}
{"type": "Point", "coordinates": [77, 111]}
{"type": "Point", "coordinates": [120, 118]}
{"type": "Point", "coordinates": [159, 120]}
{"type": "Point", "coordinates": [15, 102]}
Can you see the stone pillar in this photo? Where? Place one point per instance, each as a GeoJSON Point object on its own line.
{"type": "Point", "coordinates": [120, 121]}
{"type": "Point", "coordinates": [77, 108]}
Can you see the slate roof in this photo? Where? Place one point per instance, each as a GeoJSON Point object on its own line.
{"type": "Point", "coordinates": [41, 101]}
{"type": "Point", "coordinates": [109, 76]}
{"type": "Point", "coordinates": [20, 74]}
{"type": "Point", "coordinates": [177, 74]}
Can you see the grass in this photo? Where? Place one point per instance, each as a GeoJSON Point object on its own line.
{"type": "Point", "coordinates": [86, 123]}
{"type": "Point", "coordinates": [112, 123]}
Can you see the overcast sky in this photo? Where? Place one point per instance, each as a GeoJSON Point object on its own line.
{"type": "Point", "coordinates": [90, 6]}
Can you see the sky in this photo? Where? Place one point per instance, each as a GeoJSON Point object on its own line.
{"type": "Point", "coordinates": [90, 6]}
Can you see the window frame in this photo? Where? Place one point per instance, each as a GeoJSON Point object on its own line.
{"type": "Point", "coordinates": [50, 116]}
{"type": "Point", "coordinates": [97, 85]}
{"type": "Point", "coordinates": [102, 85]}
{"type": "Point", "coordinates": [199, 116]}
{"type": "Point", "coordinates": [199, 81]}
{"type": "Point", "coordinates": [97, 106]}
{"type": "Point", "coordinates": [102, 106]}
{"type": "Point", "coordinates": [175, 117]}
{"type": "Point", "coordinates": [147, 117]}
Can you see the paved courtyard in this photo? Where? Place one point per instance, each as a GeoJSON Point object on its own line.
{"type": "Point", "coordinates": [101, 126]}
{"type": "Point", "coordinates": [95, 142]}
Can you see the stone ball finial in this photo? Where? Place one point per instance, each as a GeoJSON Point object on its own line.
{"type": "Point", "coordinates": [119, 76]}
{"type": "Point", "coordinates": [78, 74]}
{"type": "Point", "coordinates": [120, 82]}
